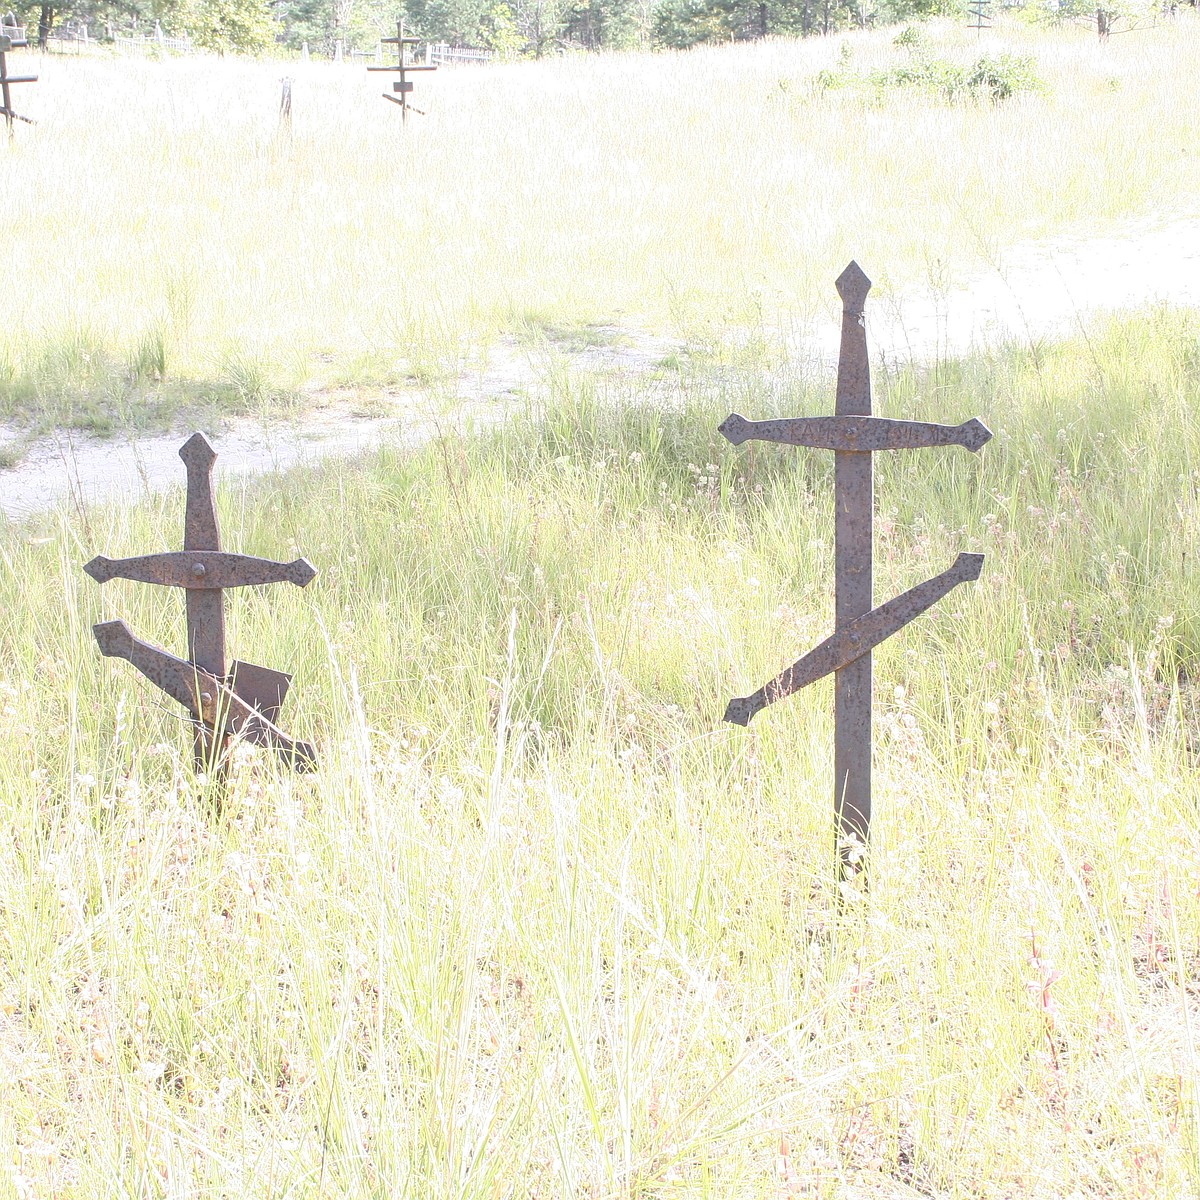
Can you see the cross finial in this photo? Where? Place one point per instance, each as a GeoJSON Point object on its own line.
{"type": "Point", "coordinates": [853, 285]}
{"type": "Point", "coordinates": [197, 451]}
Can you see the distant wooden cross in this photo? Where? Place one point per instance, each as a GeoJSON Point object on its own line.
{"type": "Point", "coordinates": [854, 435]}
{"type": "Point", "coordinates": [403, 86]}
{"type": "Point", "coordinates": [980, 12]}
{"type": "Point", "coordinates": [245, 699]}
{"type": "Point", "coordinates": [7, 42]}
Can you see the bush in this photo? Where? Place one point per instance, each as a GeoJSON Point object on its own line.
{"type": "Point", "coordinates": [994, 78]}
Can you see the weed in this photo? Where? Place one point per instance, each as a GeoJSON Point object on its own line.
{"type": "Point", "coordinates": [990, 77]}
{"type": "Point", "coordinates": [149, 361]}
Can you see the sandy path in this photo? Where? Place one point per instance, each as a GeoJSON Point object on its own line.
{"type": "Point", "coordinates": [1036, 290]}
{"type": "Point", "coordinates": [1044, 290]}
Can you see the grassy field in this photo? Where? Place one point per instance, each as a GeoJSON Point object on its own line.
{"type": "Point", "coordinates": [178, 249]}
{"type": "Point", "coordinates": [540, 926]}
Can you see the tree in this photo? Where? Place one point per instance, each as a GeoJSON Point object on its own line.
{"type": "Point", "coordinates": [605, 24]}
{"type": "Point", "coordinates": [683, 23]}
{"type": "Point", "coordinates": [246, 26]}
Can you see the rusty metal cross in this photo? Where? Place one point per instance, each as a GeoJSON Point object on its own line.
{"type": "Point", "coordinates": [854, 435]}
{"type": "Point", "coordinates": [245, 699]}
{"type": "Point", "coordinates": [403, 86]}
{"type": "Point", "coordinates": [7, 42]}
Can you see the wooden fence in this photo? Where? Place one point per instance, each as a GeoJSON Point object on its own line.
{"type": "Point", "coordinates": [438, 54]}
{"type": "Point", "coordinates": [141, 43]}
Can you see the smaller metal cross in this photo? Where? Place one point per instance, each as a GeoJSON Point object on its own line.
{"type": "Point", "coordinates": [6, 81]}
{"type": "Point", "coordinates": [854, 435]}
{"type": "Point", "coordinates": [403, 87]}
{"type": "Point", "coordinates": [245, 699]}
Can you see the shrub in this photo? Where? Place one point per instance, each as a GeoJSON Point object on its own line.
{"type": "Point", "coordinates": [994, 78]}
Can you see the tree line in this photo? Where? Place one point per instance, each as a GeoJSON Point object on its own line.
{"type": "Point", "coordinates": [512, 28]}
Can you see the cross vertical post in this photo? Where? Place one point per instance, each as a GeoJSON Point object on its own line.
{"type": "Point", "coordinates": [854, 435]}
{"type": "Point", "coordinates": [205, 607]}
{"type": "Point", "coordinates": [854, 487]}
{"type": "Point", "coordinates": [5, 94]}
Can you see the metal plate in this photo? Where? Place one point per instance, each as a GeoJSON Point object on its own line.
{"type": "Point", "coordinates": [260, 687]}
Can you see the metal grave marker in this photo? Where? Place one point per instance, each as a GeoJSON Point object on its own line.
{"type": "Point", "coordinates": [403, 86]}
{"type": "Point", "coordinates": [7, 43]}
{"type": "Point", "coordinates": [245, 699]}
{"type": "Point", "coordinates": [854, 435]}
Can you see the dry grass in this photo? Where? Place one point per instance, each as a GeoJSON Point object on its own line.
{"type": "Point", "coordinates": [540, 926]}
{"type": "Point", "coordinates": [167, 228]}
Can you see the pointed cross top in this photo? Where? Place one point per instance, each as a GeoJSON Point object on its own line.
{"type": "Point", "coordinates": [197, 451]}
{"type": "Point", "coordinates": [853, 285]}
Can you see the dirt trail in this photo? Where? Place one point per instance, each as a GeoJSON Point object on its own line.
{"type": "Point", "coordinates": [1036, 290]}
{"type": "Point", "coordinates": [83, 469]}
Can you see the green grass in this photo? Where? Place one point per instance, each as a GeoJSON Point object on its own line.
{"type": "Point", "coordinates": [177, 251]}
{"type": "Point", "coordinates": [540, 925]}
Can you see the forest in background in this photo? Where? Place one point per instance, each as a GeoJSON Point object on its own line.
{"type": "Point", "coordinates": [509, 28]}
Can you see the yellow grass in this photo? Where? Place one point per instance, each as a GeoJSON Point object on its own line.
{"type": "Point", "coordinates": [540, 926]}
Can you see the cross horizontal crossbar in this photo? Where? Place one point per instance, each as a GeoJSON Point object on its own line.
{"type": "Point", "coordinates": [855, 433]}
{"type": "Point", "coordinates": [18, 79]}
{"type": "Point", "coordinates": [406, 68]}
{"type": "Point", "coordinates": [856, 638]}
{"type": "Point", "coordinates": [202, 569]}
{"type": "Point", "coordinates": [207, 698]}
